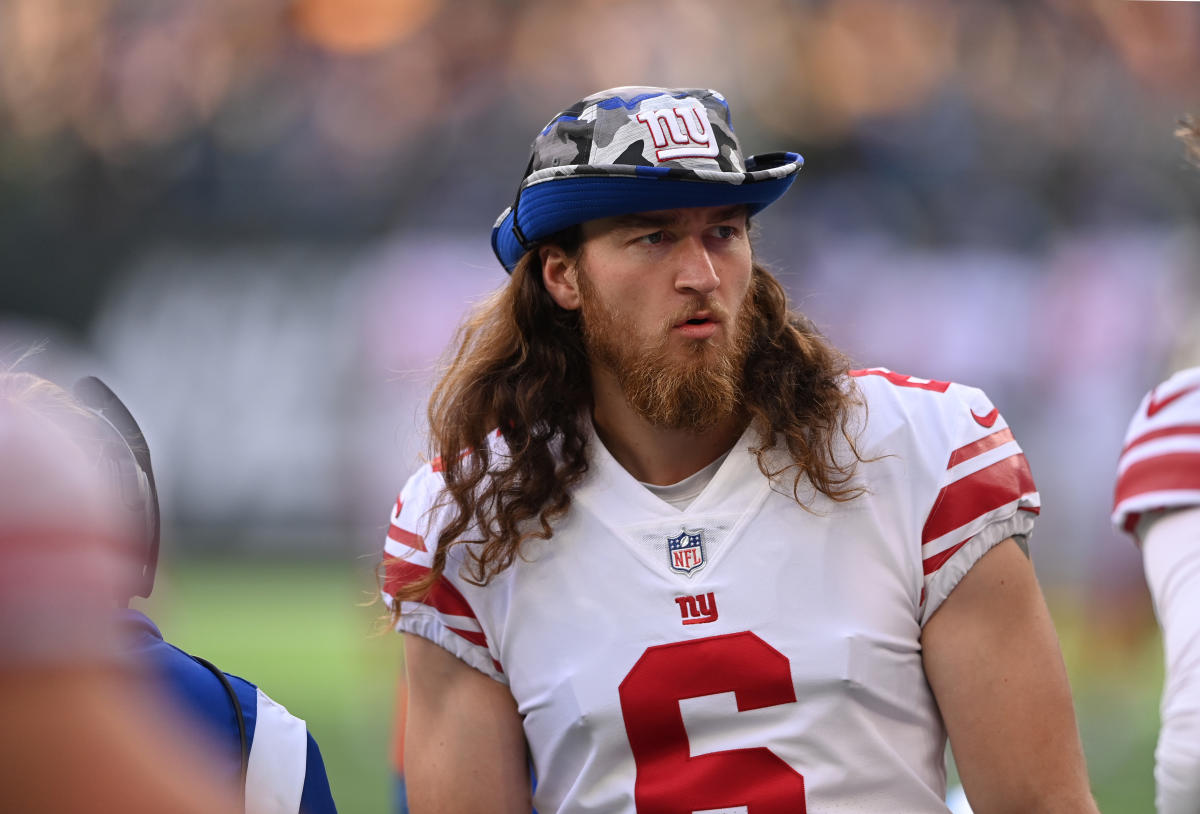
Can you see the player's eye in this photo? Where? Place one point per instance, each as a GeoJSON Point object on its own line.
{"type": "Point", "coordinates": [725, 232]}
{"type": "Point", "coordinates": [654, 238]}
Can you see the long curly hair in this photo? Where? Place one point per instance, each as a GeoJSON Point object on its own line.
{"type": "Point", "coordinates": [521, 371]}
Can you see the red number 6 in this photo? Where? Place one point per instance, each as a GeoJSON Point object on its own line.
{"type": "Point", "coordinates": [669, 779]}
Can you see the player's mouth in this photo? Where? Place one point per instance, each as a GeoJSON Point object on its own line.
{"type": "Point", "coordinates": [700, 325]}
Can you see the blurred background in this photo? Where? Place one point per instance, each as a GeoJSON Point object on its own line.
{"type": "Point", "coordinates": [260, 220]}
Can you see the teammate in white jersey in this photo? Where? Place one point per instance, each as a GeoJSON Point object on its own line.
{"type": "Point", "coordinates": [1158, 501]}
{"type": "Point", "coordinates": [682, 559]}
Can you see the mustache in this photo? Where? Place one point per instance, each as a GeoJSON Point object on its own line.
{"type": "Point", "coordinates": [712, 310]}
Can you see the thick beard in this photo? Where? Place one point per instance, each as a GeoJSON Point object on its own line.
{"type": "Point", "coordinates": [694, 394]}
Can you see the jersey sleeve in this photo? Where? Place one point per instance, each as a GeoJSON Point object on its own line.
{"type": "Point", "coordinates": [278, 758]}
{"type": "Point", "coordinates": [316, 797]}
{"type": "Point", "coordinates": [444, 615]}
{"type": "Point", "coordinates": [985, 489]}
{"type": "Point", "coordinates": [285, 773]}
{"type": "Point", "coordinates": [1159, 466]}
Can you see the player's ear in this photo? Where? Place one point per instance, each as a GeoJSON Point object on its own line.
{"type": "Point", "coordinates": [559, 276]}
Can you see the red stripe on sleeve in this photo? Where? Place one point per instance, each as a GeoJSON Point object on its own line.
{"type": "Point", "coordinates": [399, 572]}
{"type": "Point", "coordinates": [969, 451]}
{"type": "Point", "coordinates": [406, 537]}
{"type": "Point", "coordinates": [1175, 470]}
{"type": "Point", "coordinates": [1165, 432]}
{"type": "Point", "coordinates": [938, 560]}
{"type": "Point", "coordinates": [399, 506]}
{"type": "Point", "coordinates": [443, 596]}
{"type": "Point", "coordinates": [977, 494]}
{"type": "Point", "coordinates": [472, 636]}
{"type": "Point", "coordinates": [499, 669]}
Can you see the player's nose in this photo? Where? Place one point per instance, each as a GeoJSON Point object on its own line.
{"type": "Point", "coordinates": [695, 270]}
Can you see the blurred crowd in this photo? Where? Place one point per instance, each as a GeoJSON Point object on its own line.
{"type": "Point", "coordinates": [261, 219]}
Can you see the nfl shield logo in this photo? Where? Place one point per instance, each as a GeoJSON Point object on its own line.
{"type": "Point", "coordinates": [686, 551]}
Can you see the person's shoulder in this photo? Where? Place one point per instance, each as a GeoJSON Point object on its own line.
{"type": "Point", "coordinates": [284, 762]}
{"type": "Point", "coordinates": [421, 511]}
{"type": "Point", "coordinates": [147, 645]}
{"type": "Point", "coordinates": [194, 675]}
{"type": "Point", "coordinates": [1173, 403]}
{"type": "Point", "coordinates": [883, 384]}
{"type": "Point", "coordinates": [426, 483]}
{"type": "Point", "coordinates": [959, 464]}
{"type": "Point", "coordinates": [933, 411]}
{"type": "Point", "coordinates": [1159, 466]}
{"type": "Point", "coordinates": [429, 480]}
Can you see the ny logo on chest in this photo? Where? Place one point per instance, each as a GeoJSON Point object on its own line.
{"type": "Point", "coordinates": [696, 610]}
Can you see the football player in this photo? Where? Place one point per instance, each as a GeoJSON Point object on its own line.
{"type": "Point", "coordinates": [262, 751]}
{"type": "Point", "coordinates": [677, 552]}
{"type": "Point", "coordinates": [1157, 501]}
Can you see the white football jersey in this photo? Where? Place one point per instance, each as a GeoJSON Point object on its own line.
{"type": "Point", "coordinates": [746, 654]}
{"type": "Point", "coordinates": [1160, 462]}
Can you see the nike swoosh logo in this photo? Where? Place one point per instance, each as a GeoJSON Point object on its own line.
{"type": "Point", "coordinates": [1154, 406]}
{"type": "Point", "coordinates": [986, 420]}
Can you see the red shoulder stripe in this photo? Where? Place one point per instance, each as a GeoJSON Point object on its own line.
{"type": "Point", "coordinates": [443, 596]}
{"type": "Point", "coordinates": [1174, 470]}
{"type": "Point", "coordinates": [935, 562]}
{"type": "Point", "coordinates": [969, 451]}
{"type": "Point", "coordinates": [1153, 435]}
{"type": "Point", "coordinates": [900, 380]}
{"type": "Point", "coordinates": [406, 537]}
{"type": "Point", "coordinates": [977, 494]}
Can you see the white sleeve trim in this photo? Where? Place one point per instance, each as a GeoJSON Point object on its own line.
{"type": "Point", "coordinates": [278, 759]}
{"type": "Point", "coordinates": [1029, 500]}
{"type": "Point", "coordinates": [421, 620]}
{"type": "Point", "coordinates": [1171, 553]}
{"type": "Point", "coordinates": [940, 583]}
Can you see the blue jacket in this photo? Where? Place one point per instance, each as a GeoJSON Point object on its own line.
{"type": "Point", "coordinates": [284, 770]}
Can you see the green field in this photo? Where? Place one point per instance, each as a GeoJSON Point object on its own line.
{"type": "Point", "coordinates": [300, 631]}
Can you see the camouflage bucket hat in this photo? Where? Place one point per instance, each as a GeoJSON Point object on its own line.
{"type": "Point", "coordinates": [635, 149]}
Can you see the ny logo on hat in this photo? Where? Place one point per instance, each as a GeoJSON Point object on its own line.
{"type": "Point", "coordinates": [594, 160]}
{"type": "Point", "coordinates": [686, 127]}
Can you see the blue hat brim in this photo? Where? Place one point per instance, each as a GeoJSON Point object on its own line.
{"type": "Point", "coordinates": [551, 206]}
